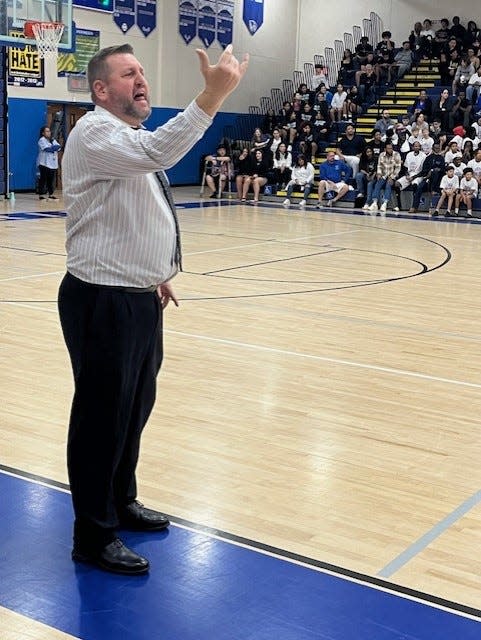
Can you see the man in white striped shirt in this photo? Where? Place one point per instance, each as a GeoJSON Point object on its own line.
{"type": "Point", "coordinates": [123, 249]}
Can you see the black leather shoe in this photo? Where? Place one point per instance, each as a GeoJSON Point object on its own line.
{"type": "Point", "coordinates": [114, 557]}
{"type": "Point", "coordinates": [136, 517]}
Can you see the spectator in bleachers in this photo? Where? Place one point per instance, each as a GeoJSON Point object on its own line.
{"type": "Point", "coordinates": [269, 122]}
{"type": "Point", "coordinates": [477, 126]}
{"type": "Point", "coordinates": [362, 51]}
{"type": "Point", "coordinates": [457, 30]}
{"type": "Point", "coordinates": [463, 73]}
{"type": "Point", "coordinates": [406, 122]}
{"type": "Point", "coordinates": [376, 143]}
{"type": "Point", "coordinates": [442, 109]}
{"type": "Point", "coordinates": [421, 122]}
{"type": "Point", "coordinates": [443, 68]}
{"type": "Point", "coordinates": [451, 46]}
{"type": "Point", "coordinates": [350, 147]}
{"type": "Point", "coordinates": [468, 189]}
{"type": "Point", "coordinates": [422, 104]}
{"type": "Point", "coordinates": [305, 141]}
{"type": "Point", "coordinates": [385, 122]}
{"type": "Point", "coordinates": [297, 102]}
{"type": "Point", "coordinates": [432, 171]}
{"type": "Point", "coordinates": [384, 63]}
{"type": "Point", "coordinates": [452, 152]}
{"type": "Point", "coordinates": [415, 40]}
{"type": "Point", "coordinates": [458, 137]}
{"type": "Point", "coordinates": [275, 141]}
{"type": "Point", "coordinates": [292, 127]}
{"type": "Point", "coordinates": [354, 103]}
{"type": "Point", "coordinates": [338, 104]}
{"type": "Point", "coordinates": [259, 140]}
{"type": "Point", "coordinates": [403, 60]}
{"type": "Point", "coordinates": [367, 84]}
{"type": "Point", "coordinates": [475, 165]}
{"type": "Point", "coordinates": [473, 34]}
{"type": "Point", "coordinates": [441, 36]}
{"type": "Point", "coordinates": [386, 44]}
{"type": "Point", "coordinates": [459, 166]}
{"type": "Point", "coordinates": [301, 180]}
{"type": "Point", "coordinates": [284, 118]}
{"type": "Point", "coordinates": [415, 136]}
{"type": "Point", "coordinates": [473, 86]}
{"type": "Point", "coordinates": [468, 151]}
{"type": "Point", "coordinates": [365, 178]}
{"type": "Point", "coordinates": [282, 166]}
{"type": "Point", "coordinates": [257, 174]}
{"type": "Point", "coordinates": [413, 164]}
{"type": "Point", "coordinates": [320, 129]}
{"type": "Point", "coordinates": [461, 111]}
{"type": "Point", "coordinates": [402, 145]}
{"type": "Point", "coordinates": [327, 93]}
{"type": "Point", "coordinates": [437, 133]}
{"type": "Point", "coordinates": [472, 135]}
{"type": "Point", "coordinates": [427, 39]}
{"type": "Point", "coordinates": [320, 76]}
{"type": "Point", "coordinates": [427, 142]}
{"type": "Point", "coordinates": [449, 187]}
{"type": "Point", "coordinates": [307, 114]}
{"type": "Point", "coordinates": [242, 168]}
{"type": "Point", "coordinates": [454, 62]}
{"type": "Point", "coordinates": [321, 107]}
{"type": "Point", "coordinates": [333, 176]}
{"type": "Point", "coordinates": [473, 58]}
{"type": "Point", "coordinates": [304, 93]}
{"type": "Point", "coordinates": [218, 171]}
{"type": "Point", "coordinates": [346, 70]}
{"type": "Point", "coordinates": [388, 168]}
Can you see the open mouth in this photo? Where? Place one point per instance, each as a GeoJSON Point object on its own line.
{"type": "Point", "coordinates": [140, 95]}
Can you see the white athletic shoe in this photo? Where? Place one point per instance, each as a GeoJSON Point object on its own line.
{"type": "Point", "coordinates": [373, 206]}
{"type": "Point", "coordinates": [365, 207]}
{"type": "Point", "coordinates": [384, 207]}
{"type": "Point", "coordinates": [286, 202]}
{"type": "Point", "coordinates": [302, 203]}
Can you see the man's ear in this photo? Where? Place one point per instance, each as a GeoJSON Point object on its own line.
{"type": "Point", "coordinates": [100, 90]}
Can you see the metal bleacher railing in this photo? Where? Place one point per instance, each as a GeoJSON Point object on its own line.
{"type": "Point", "coordinates": [241, 131]}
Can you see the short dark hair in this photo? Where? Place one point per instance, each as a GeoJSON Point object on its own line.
{"type": "Point", "coordinates": [98, 67]}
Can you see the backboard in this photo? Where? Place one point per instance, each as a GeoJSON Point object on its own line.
{"type": "Point", "coordinates": [14, 14]}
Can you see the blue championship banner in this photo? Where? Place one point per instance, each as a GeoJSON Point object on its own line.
{"type": "Point", "coordinates": [188, 17]}
{"type": "Point", "coordinates": [225, 22]}
{"type": "Point", "coordinates": [25, 67]}
{"type": "Point", "coordinates": [146, 14]}
{"type": "Point", "coordinates": [124, 14]}
{"type": "Point", "coordinates": [207, 22]}
{"type": "Point", "coordinates": [253, 15]}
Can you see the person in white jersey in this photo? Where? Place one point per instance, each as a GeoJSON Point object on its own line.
{"type": "Point", "coordinates": [123, 249]}
{"type": "Point", "coordinates": [449, 188]}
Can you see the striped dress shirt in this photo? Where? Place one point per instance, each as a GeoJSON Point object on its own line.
{"type": "Point", "coordinates": [120, 228]}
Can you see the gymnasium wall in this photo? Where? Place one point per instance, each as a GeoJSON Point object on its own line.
{"type": "Point", "coordinates": [173, 72]}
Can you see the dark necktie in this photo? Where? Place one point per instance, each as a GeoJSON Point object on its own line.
{"type": "Point", "coordinates": [164, 183]}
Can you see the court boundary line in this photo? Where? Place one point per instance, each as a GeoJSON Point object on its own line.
{"type": "Point", "coordinates": [373, 582]}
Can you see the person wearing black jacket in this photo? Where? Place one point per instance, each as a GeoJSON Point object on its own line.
{"type": "Point", "coordinates": [257, 176]}
{"type": "Point", "coordinates": [433, 169]}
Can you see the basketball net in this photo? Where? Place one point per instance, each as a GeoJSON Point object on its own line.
{"type": "Point", "coordinates": [47, 36]}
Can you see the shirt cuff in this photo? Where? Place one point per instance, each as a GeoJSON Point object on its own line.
{"type": "Point", "coordinates": [197, 117]}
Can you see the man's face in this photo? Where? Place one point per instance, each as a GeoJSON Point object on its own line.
{"type": "Point", "coordinates": [385, 114]}
{"type": "Point", "coordinates": [125, 93]}
{"type": "Point", "coordinates": [330, 157]}
{"type": "Point", "coordinates": [349, 130]}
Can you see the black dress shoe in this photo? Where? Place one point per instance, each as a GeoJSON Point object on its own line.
{"type": "Point", "coordinates": [114, 557]}
{"type": "Point", "coordinates": [136, 517]}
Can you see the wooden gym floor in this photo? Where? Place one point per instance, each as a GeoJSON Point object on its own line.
{"type": "Point", "coordinates": [320, 392]}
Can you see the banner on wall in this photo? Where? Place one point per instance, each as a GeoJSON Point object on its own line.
{"type": "Point", "coordinates": [24, 66]}
{"type": "Point", "coordinates": [253, 15]}
{"type": "Point", "coordinates": [208, 20]}
{"type": "Point", "coordinates": [146, 16]}
{"type": "Point", "coordinates": [188, 16]}
{"type": "Point", "coordinates": [87, 45]}
{"type": "Point", "coordinates": [124, 14]}
{"type": "Point", "coordinates": [225, 22]}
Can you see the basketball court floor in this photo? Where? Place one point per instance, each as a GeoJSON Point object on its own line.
{"type": "Point", "coordinates": [316, 438]}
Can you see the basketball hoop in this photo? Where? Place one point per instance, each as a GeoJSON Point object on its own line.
{"type": "Point", "coordinates": [47, 35]}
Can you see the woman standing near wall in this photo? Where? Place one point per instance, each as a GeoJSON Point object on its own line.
{"type": "Point", "coordinates": [47, 162]}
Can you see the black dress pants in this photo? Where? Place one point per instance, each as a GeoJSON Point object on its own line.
{"type": "Point", "coordinates": [46, 180]}
{"type": "Point", "coordinates": [115, 343]}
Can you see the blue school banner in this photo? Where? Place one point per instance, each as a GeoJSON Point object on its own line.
{"type": "Point", "coordinates": [124, 14]}
{"type": "Point", "coordinates": [225, 22]}
{"type": "Point", "coordinates": [206, 26]}
{"type": "Point", "coordinates": [188, 18]}
{"type": "Point", "coordinates": [146, 16]}
{"type": "Point", "coordinates": [253, 15]}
